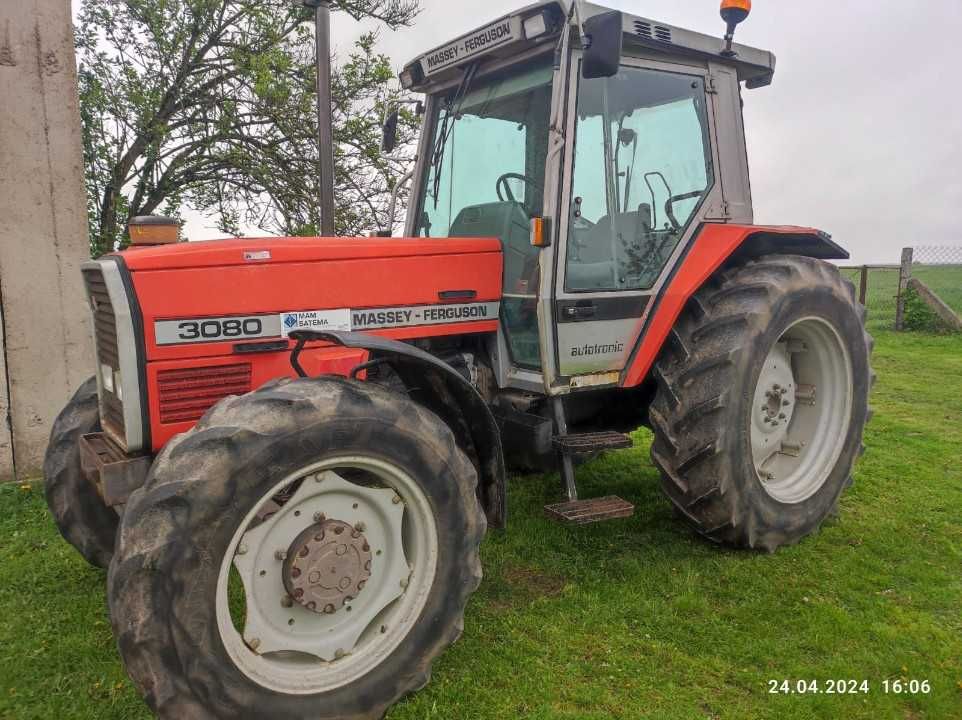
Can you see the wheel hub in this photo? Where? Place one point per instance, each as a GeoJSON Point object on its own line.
{"type": "Point", "coordinates": [802, 407]}
{"type": "Point", "coordinates": [327, 566]}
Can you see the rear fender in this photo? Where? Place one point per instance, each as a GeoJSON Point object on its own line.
{"type": "Point", "coordinates": [713, 246]}
{"type": "Point", "coordinates": [444, 391]}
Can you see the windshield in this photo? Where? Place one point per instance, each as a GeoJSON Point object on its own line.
{"type": "Point", "coordinates": [485, 178]}
{"type": "Point", "coordinates": [489, 147]}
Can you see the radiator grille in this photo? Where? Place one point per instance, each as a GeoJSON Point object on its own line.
{"type": "Point", "coordinates": [185, 395]}
{"type": "Point", "coordinates": [105, 334]}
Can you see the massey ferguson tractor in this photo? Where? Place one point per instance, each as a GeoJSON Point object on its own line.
{"type": "Point", "coordinates": [291, 448]}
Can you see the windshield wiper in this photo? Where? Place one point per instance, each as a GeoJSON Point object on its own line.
{"type": "Point", "coordinates": [452, 113]}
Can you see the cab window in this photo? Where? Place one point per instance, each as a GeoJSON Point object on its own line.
{"type": "Point", "coordinates": [642, 167]}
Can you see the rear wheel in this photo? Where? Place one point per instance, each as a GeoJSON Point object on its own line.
{"type": "Point", "coordinates": [762, 401]}
{"type": "Point", "coordinates": [305, 552]}
{"type": "Point", "coordinates": [79, 511]}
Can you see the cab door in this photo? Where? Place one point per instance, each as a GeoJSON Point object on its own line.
{"type": "Point", "coordinates": [639, 176]}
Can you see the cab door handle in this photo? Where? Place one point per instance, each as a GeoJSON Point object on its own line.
{"type": "Point", "coordinates": [582, 311]}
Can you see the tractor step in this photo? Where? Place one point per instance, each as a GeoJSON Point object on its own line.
{"type": "Point", "coordinates": [579, 443]}
{"type": "Point", "coordinates": [582, 512]}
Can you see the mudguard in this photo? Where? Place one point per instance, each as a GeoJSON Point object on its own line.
{"type": "Point", "coordinates": [714, 245]}
{"type": "Point", "coordinates": [444, 391]}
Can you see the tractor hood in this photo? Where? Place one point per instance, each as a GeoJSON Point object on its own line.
{"type": "Point", "coordinates": [200, 299]}
{"type": "Point", "coordinates": [251, 252]}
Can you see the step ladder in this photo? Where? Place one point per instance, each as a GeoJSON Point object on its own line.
{"type": "Point", "coordinates": [575, 511]}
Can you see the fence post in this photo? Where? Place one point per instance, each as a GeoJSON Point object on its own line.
{"type": "Point", "coordinates": [863, 285]}
{"type": "Point", "coordinates": [905, 274]}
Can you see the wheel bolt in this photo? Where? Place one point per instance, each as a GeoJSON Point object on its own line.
{"type": "Point", "coordinates": [782, 416]}
{"type": "Point", "coordinates": [339, 653]}
{"type": "Point", "coordinates": [254, 643]}
{"type": "Point", "coordinates": [396, 499]}
{"type": "Point", "coordinates": [281, 555]}
{"type": "Point", "coordinates": [287, 601]}
{"type": "Point", "coordinates": [242, 549]}
{"type": "Point", "coordinates": [786, 403]}
{"type": "Point", "coordinates": [360, 527]}
{"type": "Point", "coordinates": [319, 517]}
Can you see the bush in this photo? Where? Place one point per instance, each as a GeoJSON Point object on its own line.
{"type": "Point", "coordinates": [919, 317]}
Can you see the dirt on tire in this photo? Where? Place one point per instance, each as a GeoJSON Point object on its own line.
{"type": "Point", "coordinates": [706, 376]}
{"type": "Point", "coordinates": [177, 528]}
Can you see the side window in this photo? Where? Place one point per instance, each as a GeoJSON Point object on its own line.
{"type": "Point", "coordinates": [642, 167]}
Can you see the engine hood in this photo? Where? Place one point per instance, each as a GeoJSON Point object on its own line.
{"type": "Point", "coordinates": [258, 251]}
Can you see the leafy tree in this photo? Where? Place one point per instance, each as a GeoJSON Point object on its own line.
{"type": "Point", "coordinates": [210, 104]}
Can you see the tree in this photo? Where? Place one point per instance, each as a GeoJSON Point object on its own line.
{"type": "Point", "coordinates": [210, 104]}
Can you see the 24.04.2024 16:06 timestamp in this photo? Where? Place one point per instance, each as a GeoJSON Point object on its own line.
{"type": "Point", "coordinates": [848, 687]}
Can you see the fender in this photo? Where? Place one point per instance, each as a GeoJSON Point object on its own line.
{"type": "Point", "coordinates": [444, 391]}
{"type": "Point", "coordinates": [714, 245]}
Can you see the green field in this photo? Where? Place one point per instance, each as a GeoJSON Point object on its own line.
{"type": "Point", "coordinates": [883, 287]}
{"type": "Point", "coordinates": [627, 619]}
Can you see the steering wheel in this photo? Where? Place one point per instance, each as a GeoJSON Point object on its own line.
{"type": "Point", "coordinates": [508, 195]}
{"type": "Point", "coordinates": [670, 206]}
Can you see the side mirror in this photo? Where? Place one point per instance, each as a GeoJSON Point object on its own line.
{"type": "Point", "coordinates": [389, 133]}
{"type": "Point", "coordinates": [604, 36]}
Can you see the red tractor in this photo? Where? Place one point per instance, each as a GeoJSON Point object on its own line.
{"type": "Point", "coordinates": [292, 448]}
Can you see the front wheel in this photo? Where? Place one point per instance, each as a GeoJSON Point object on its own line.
{"type": "Point", "coordinates": [78, 510]}
{"type": "Point", "coordinates": [762, 401]}
{"type": "Point", "coordinates": [305, 552]}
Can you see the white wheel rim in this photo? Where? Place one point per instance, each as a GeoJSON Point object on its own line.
{"type": "Point", "coordinates": [299, 651]}
{"type": "Point", "coordinates": [801, 410]}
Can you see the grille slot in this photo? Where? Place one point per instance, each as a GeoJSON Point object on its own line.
{"type": "Point", "coordinates": [652, 32]}
{"type": "Point", "coordinates": [105, 334]}
{"type": "Point", "coordinates": [185, 395]}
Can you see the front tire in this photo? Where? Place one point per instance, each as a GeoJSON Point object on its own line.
{"type": "Point", "coordinates": [762, 401]}
{"type": "Point", "coordinates": [79, 512]}
{"type": "Point", "coordinates": [261, 483]}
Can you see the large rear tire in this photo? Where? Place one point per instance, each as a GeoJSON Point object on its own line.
{"type": "Point", "coordinates": [269, 480]}
{"type": "Point", "coordinates": [762, 401]}
{"type": "Point", "coordinates": [79, 512]}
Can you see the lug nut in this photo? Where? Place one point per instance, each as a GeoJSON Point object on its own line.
{"type": "Point", "coordinates": [319, 517]}
{"type": "Point", "coordinates": [360, 527]}
{"type": "Point", "coordinates": [396, 499]}
{"type": "Point", "coordinates": [287, 601]}
{"type": "Point", "coordinates": [254, 643]}
{"type": "Point", "coordinates": [281, 555]}
{"type": "Point", "coordinates": [339, 653]}
{"type": "Point", "coordinates": [404, 582]}
{"type": "Point", "coordinates": [242, 549]}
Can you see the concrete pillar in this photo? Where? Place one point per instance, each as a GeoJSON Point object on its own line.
{"type": "Point", "coordinates": [43, 228]}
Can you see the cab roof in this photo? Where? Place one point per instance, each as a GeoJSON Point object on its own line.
{"type": "Point", "coordinates": [507, 36]}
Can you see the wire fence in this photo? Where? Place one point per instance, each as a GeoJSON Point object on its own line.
{"type": "Point", "coordinates": [885, 290]}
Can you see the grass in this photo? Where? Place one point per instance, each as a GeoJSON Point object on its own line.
{"type": "Point", "coordinates": [629, 619]}
{"type": "Point", "coordinates": [883, 287]}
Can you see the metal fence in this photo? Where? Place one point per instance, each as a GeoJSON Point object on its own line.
{"type": "Point", "coordinates": [883, 289]}
{"type": "Point", "coordinates": [878, 290]}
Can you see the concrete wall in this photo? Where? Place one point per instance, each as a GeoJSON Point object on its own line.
{"type": "Point", "coordinates": [43, 231]}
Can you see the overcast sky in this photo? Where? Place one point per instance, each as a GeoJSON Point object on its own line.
{"type": "Point", "coordinates": [860, 135]}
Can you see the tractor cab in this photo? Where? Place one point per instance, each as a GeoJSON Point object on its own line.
{"type": "Point", "coordinates": [593, 144]}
